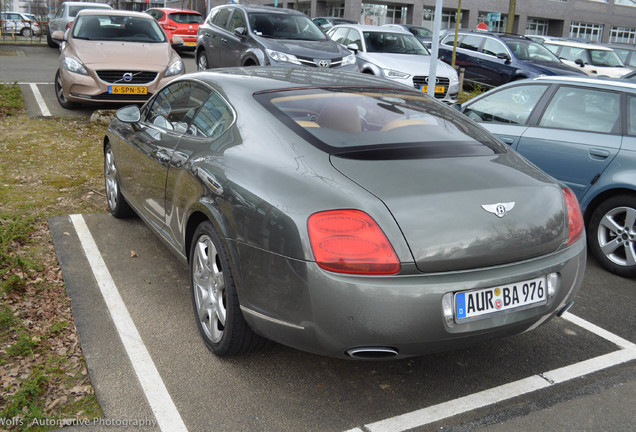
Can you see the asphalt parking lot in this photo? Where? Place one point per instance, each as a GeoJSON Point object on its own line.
{"type": "Point", "coordinates": [151, 371]}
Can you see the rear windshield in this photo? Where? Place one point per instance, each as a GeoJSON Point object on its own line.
{"type": "Point", "coordinates": [186, 18]}
{"type": "Point", "coordinates": [73, 10]}
{"type": "Point", "coordinates": [378, 123]}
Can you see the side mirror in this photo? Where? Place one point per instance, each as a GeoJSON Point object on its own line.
{"type": "Point", "coordinates": [353, 47]}
{"type": "Point", "coordinates": [129, 114]}
{"type": "Point", "coordinates": [240, 31]}
{"type": "Point", "coordinates": [579, 62]}
{"type": "Point", "coordinates": [58, 35]}
{"type": "Point", "coordinates": [503, 56]}
{"type": "Point", "coordinates": [177, 40]}
{"type": "Point", "coordinates": [457, 106]}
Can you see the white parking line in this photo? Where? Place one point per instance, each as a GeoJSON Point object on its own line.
{"type": "Point", "coordinates": [40, 100]}
{"type": "Point", "coordinates": [169, 418]}
{"type": "Point", "coordinates": [166, 413]}
{"type": "Point", "coordinates": [494, 395]}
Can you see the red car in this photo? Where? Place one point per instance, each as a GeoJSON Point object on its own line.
{"type": "Point", "coordinates": [179, 22]}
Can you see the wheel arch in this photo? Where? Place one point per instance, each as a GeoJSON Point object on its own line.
{"type": "Point", "coordinates": [603, 196]}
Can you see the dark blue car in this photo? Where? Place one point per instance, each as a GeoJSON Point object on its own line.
{"type": "Point", "coordinates": [494, 59]}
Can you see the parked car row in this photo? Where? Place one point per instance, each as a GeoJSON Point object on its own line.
{"type": "Point", "coordinates": [22, 23]}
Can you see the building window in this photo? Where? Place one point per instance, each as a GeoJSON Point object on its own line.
{"type": "Point", "coordinates": [498, 26]}
{"type": "Point", "coordinates": [591, 32]}
{"type": "Point", "coordinates": [622, 35]}
{"type": "Point", "coordinates": [448, 18]}
{"type": "Point", "coordinates": [375, 14]}
{"type": "Point", "coordinates": [335, 10]}
{"type": "Point", "coordinates": [537, 26]}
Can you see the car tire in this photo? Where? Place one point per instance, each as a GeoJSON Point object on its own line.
{"type": "Point", "coordinates": [214, 298]}
{"type": "Point", "coordinates": [202, 61]}
{"type": "Point", "coordinates": [117, 204]}
{"type": "Point", "coordinates": [59, 93]}
{"type": "Point", "coordinates": [49, 40]}
{"type": "Point", "coordinates": [26, 32]}
{"type": "Point", "coordinates": [612, 235]}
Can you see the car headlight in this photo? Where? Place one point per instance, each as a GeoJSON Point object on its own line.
{"type": "Point", "coordinates": [174, 69]}
{"type": "Point", "coordinates": [282, 57]}
{"type": "Point", "coordinates": [349, 60]}
{"type": "Point", "coordinates": [393, 74]}
{"type": "Point", "coordinates": [72, 65]}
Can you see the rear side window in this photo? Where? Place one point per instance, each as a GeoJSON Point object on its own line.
{"type": "Point", "coordinates": [583, 109]}
{"type": "Point", "coordinates": [220, 18]}
{"type": "Point", "coordinates": [471, 42]}
{"type": "Point", "coordinates": [379, 123]}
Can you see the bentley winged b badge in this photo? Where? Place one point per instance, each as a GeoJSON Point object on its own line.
{"type": "Point", "coordinates": [499, 209]}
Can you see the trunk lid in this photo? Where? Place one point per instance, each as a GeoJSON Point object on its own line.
{"type": "Point", "coordinates": [437, 204]}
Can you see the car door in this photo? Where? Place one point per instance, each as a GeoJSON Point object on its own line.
{"type": "Point", "coordinates": [576, 137]}
{"type": "Point", "coordinates": [211, 36]}
{"type": "Point", "coordinates": [144, 163]}
{"type": "Point", "coordinates": [233, 45]}
{"type": "Point", "coordinates": [496, 70]}
{"type": "Point", "coordinates": [507, 112]}
{"type": "Point", "coordinates": [469, 58]}
{"type": "Point", "coordinates": [187, 177]}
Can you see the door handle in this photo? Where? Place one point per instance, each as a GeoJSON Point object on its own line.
{"type": "Point", "coordinates": [599, 154]}
{"type": "Point", "coordinates": [508, 141]}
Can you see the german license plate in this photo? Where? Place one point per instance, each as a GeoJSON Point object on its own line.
{"type": "Point", "coordinates": [189, 44]}
{"type": "Point", "coordinates": [131, 90]}
{"type": "Point", "coordinates": [438, 89]}
{"type": "Point", "coordinates": [470, 304]}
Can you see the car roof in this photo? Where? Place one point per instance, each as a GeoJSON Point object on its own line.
{"type": "Point", "coordinates": [615, 83]}
{"type": "Point", "coordinates": [630, 47]}
{"type": "Point", "coordinates": [259, 8]}
{"type": "Point", "coordinates": [113, 12]}
{"type": "Point", "coordinates": [372, 28]}
{"type": "Point", "coordinates": [172, 10]}
{"type": "Point", "coordinates": [577, 45]}
{"type": "Point", "coordinates": [264, 78]}
{"type": "Point", "coordinates": [77, 3]}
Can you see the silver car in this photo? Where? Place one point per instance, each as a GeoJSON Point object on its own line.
{"type": "Point", "coordinates": [397, 55]}
{"type": "Point", "coordinates": [66, 13]}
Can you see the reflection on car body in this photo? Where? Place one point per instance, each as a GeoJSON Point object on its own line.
{"type": "Point", "coordinates": [582, 132]}
{"type": "Point", "coordinates": [315, 207]}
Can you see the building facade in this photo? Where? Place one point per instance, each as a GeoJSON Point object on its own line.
{"type": "Point", "coordinates": [596, 20]}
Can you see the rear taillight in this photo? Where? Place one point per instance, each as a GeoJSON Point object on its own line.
{"type": "Point", "coordinates": [169, 27]}
{"type": "Point", "coordinates": [68, 26]}
{"type": "Point", "coordinates": [349, 241]}
{"type": "Point", "coordinates": [575, 217]}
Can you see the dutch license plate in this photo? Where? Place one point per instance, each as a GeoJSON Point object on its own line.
{"type": "Point", "coordinates": [189, 44]}
{"type": "Point", "coordinates": [132, 90]}
{"type": "Point", "coordinates": [469, 304]}
{"type": "Point", "coordinates": [438, 89]}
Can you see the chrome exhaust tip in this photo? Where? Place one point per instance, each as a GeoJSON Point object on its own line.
{"type": "Point", "coordinates": [372, 353]}
{"type": "Point", "coordinates": [565, 308]}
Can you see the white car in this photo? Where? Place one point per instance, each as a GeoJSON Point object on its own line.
{"type": "Point", "coordinates": [66, 13]}
{"type": "Point", "coordinates": [397, 55]}
{"type": "Point", "coordinates": [20, 23]}
{"type": "Point", "coordinates": [594, 60]}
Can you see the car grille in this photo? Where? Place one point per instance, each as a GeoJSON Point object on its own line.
{"type": "Point", "coordinates": [117, 77]}
{"type": "Point", "coordinates": [332, 63]}
{"type": "Point", "coordinates": [419, 81]}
